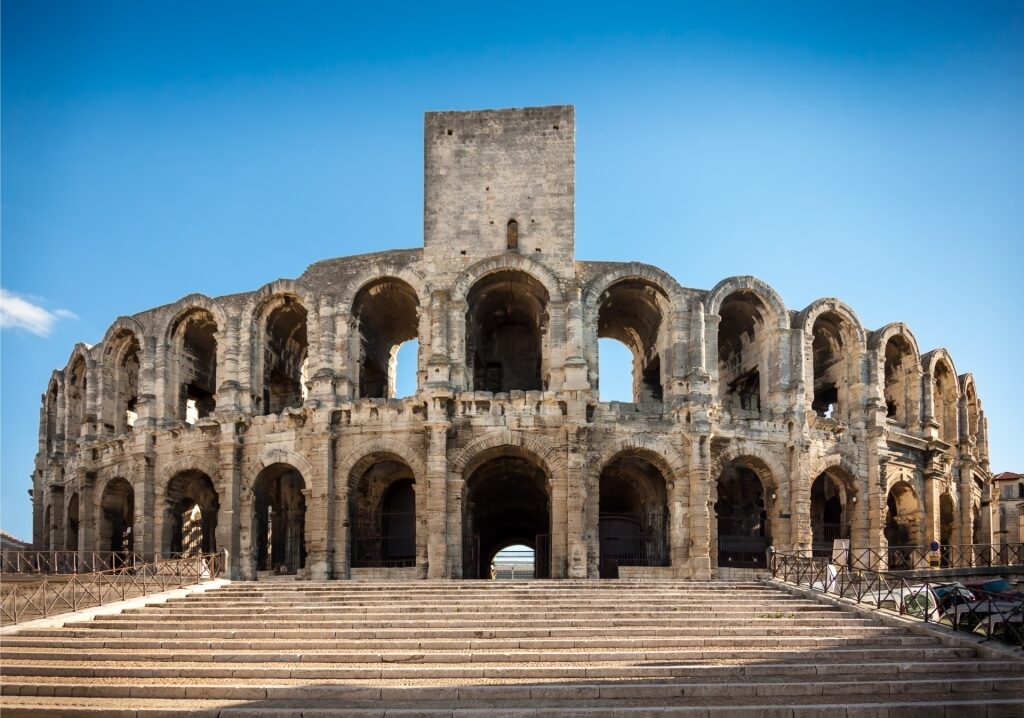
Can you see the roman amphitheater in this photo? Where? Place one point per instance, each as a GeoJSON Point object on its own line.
{"type": "Point", "coordinates": [266, 424]}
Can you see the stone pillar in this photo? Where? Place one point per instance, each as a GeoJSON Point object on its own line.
{"type": "Point", "coordinates": [145, 538]}
{"type": "Point", "coordinates": [295, 538]}
{"type": "Point", "coordinates": [56, 499]}
{"type": "Point", "coordinates": [576, 500]}
{"type": "Point", "coordinates": [678, 531]}
{"type": "Point", "coordinates": [966, 503]}
{"type": "Point", "coordinates": [438, 542]}
{"type": "Point", "coordinates": [932, 491]}
{"type": "Point", "coordinates": [340, 529]}
{"type": "Point", "coordinates": [87, 516]}
{"type": "Point", "coordinates": [800, 531]}
{"type": "Point", "coordinates": [229, 389]}
{"type": "Point", "coordinates": [320, 508]}
{"type": "Point", "coordinates": [229, 488]}
{"type": "Point", "coordinates": [876, 499]}
{"type": "Point", "coordinates": [700, 509]}
{"type": "Point", "coordinates": [559, 525]}
{"type": "Point", "coordinates": [457, 343]}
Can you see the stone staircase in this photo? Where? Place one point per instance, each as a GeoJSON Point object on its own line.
{"type": "Point", "coordinates": [485, 648]}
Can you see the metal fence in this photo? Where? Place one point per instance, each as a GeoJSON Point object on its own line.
{"type": "Point", "coordinates": [910, 558]}
{"type": "Point", "coordinates": [21, 600]}
{"type": "Point", "coordinates": [390, 542]}
{"type": "Point", "coordinates": [995, 616]}
{"type": "Point", "coordinates": [632, 539]}
{"type": "Point", "coordinates": [49, 562]}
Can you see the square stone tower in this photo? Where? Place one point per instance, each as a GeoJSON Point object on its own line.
{"type": "Point", "coordinates": [497, 181]}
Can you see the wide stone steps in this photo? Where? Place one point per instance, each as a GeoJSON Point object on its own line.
{"type": "Point", "coordinates": [612, 648]}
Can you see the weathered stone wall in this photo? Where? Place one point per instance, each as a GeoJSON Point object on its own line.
{"type": "Point", "coordinates": [727, 383]}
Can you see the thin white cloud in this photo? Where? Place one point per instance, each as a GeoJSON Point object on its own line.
{"type": "Point", "coordinates": [18, 312]}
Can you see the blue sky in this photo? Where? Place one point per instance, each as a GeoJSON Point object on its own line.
{"type": "Point", "coordinates": [873, 152]}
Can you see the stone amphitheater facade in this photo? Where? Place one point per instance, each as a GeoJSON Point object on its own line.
{"type": "Point", "coordinates": [265, 423]}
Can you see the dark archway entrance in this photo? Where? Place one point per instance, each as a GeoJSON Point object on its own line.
{"type": "Point", "coordinates": [633, 518]}
{"type": "Point", "coordinates": [743, 530]}
{"type": "Point", "coordinates": [506, 502]}
{"type": "Point", "coordinates": [902, 518]}
{"type": "Point", "coordinates": [117, 513]}
{"type": "Point", "coordinates": [830, 520]}
{"type": "Point", "coordinates": [382, 510]}
{"type": "Point", "coordinates": [279, 524]}
{"type": "Point", "coordinates": [190, 514]}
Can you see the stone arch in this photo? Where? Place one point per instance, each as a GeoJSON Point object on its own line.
{"type": "Point", "coordinates": [385, 312]}
{"type": "Point", "coordinates": [508, 261]}
{"type": "Point", "coordinates": [53, 412]}
{"type": "Point", "coordinates": [971, 409]}
{"type": "Point", "coordinates": [294, 348]}
{"type": "Point", "coordinates": [78, 386]}
{"type": "Point", "coordinates": [189, 463]}
{"type": "Point", "coordinates": [894, 362]}
{"type": "Point", "coordinates": [550, 458]}
{"type": "Point", "coordinates": [177, 311]}
{"type": "Point", "coordinates": [205, 389]}
{"type": "Point", "coordinates": [833, 503]}
{"type": "Point", "coordinates": [731, 285]}
{"type": "Point", "coordinates": [358, 460]}
{"type": "Point", "coordinates": [845, 466]}
{"type": "Point", "coordinates": [832, 358]}
{"type": "Point", "coordinates": [383, 270]}
{"type": "Point", "coordinates": [744, 515]}
{"type": "Point", "coordinates": [115, 510]}
{"type": "Point", "coordinates": [641, 307]}
{"type": "Point", "coordinates": [121, 376]}
{"type": "Point", "coordinates": [945, 393]}
{"type": "Point", "coordinates": [630, 494]}
{"type": "Point", "coordinates": [762, 461]}
{"type": "Point", "coordinates": [635, 270]}
{"type": "Point", "coordinates": [271, 457]}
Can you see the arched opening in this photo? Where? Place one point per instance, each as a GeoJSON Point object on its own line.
{"type": "Point", "coordinates": [633, 516]}
{"type": "Point", "coordinates": [973, 411]}
{"type": "Point", "coordinates": [512, 234]}
{"type": "Point", "coordinates": [505, 327]}
{"type": "Point", "coordinates": [513, 562]}
{"type": "Point", "coordinates": [946, 403]}
{"type": "Point", "coordinates": [506, 502]}
{"type": "Point", "coordinates": [614, 369]}
{"type": "Point", "coordinates": [385, 314]}
{"type": "Point", "coordinates": [742, 353]}
{"type": "Point", "coordinates": [833, 351]}
{"type": "Point", "coordinates": [72, 523]}
{"type": "Point", "coordinates": [977, 526]}
{"type": "Point", "coordinates": [121, 362]}
{"type": "Point", "coordinates": [117, 516]}
{"type": "Point", "coordinates": [75, 396]}
{"type": "Point", "coordinates": [190, 514]}
{"type": "Point", "coordinates": [51, 419]}
{"type": "Point", "coordinates": [633, 312]}
{"type": "Point", "coordinates": [194, 367]}
{"type": "Point", "coordinates": [902, 521]}
{"type": "Point", "coordinates": [279, 525]}
{"type": "Point", "coordinates": [831, 506]}
{"type": "Point", "coordinates": [744, 532]}
{"type": "Point", "coordinates": [901, 381]}
{"type": "Point", "coordinates": [283, 356]}
{"type": "Point", "coordinates": [406, 358]}
{"type": "Point", "coordinates": [382, 509]}
{"type": "Point", "coordinates": [947, 526]}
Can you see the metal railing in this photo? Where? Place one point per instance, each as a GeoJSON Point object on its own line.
{"type": "Point", "coordinates": [389, 542]}
{"type": "Point", "coordinates": [995, 616]}
{"type": "Point", "coordinates": [50, 562]}
{"type": "Point", "coordinates": [911, 558]}
{"type": "Point", "coordinates": [21, 601]}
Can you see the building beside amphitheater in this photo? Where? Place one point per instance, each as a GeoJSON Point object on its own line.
{"type": "Point", "coordinates": [266, 423]}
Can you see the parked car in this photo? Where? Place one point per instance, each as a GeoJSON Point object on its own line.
{"type": "Point", "coordinates": [993, 588]}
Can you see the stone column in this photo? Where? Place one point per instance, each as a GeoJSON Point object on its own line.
{"type": "Point", "coordinates": [678, 531]}
{"type": "Point", "coordinates": [699, 509]}
{"type": "Point", "coordinates": [932, 490]}
{"type": "Point", "coordinates": [87, 516]}
{"type": "Point", "coordinates": [320, 508]}
{"type": "Point", "coordinates": [559, 525]}
{"type": "Point", "coordinates": [966, 502]}
{"type": "Point", "coordinates": [800, 531]}
{"type": "Point", "coordinates": [144, 529]}
{"type": "Point", "coordinates": [457, 343]}
{"type": "Point", "coordinates": [229, 488]}
{"type": "Point", "coordinates": [56, 498]}
{"type": "Point", "coordinates": [438, 542]}
{"type": "Point", "coordinates": [876, 499]}
{"type": "Point", "coordinates": [575, 508]}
